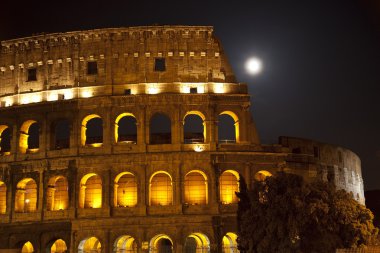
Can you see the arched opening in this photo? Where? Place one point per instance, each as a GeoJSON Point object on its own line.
{"type": "Point", "coordinates": [3, 198]}
{"type": "Point", "coordinates": [161, 244]}
{"type": "Point", "coordinates": [160, 129]}
{"type": "Point", "coordinates": [90, 245]}
{"type": "Point", "coordinates": [57, 194]}
{"type": "Point", "coordinates": [228, 127]}
{"type": "Point", "coordinates": [197, 243]}
{"type": "Point", "coordinates": [196, 188]}
{"type": "Point", "coordinates": [125, 190]}
{"type": "Point", "coordinates": [125, 244]}
{"type": "Point", "coordinates": [92, 131]}
{"type": "Point", "coordinates": [194, 127]}
{"type": "Point", "coordinates": [26, 196]}
{"type": "Point", "coordinates": [126, 129]}
{"type": "Point", "coordinates": [90, 194]}
{"type": "Point", "coordinates": [60, 135]}
{"type": "Point", "coordinates": [59, 246]}
{"type": "Point", "coordinates": [229, 244]}
{"type": "Point", "coordinates": [5, 140]}
{"type": "Point", "coordinates": [27, 248]}
{"type": "Point", "coordinates": [29, 137]}
{"type": "Point", "coordinates": [229, 184]}
{"type": "Point", "coordinates": [262, 175]}
{"type": "Point", "coordinates": [161, 189]}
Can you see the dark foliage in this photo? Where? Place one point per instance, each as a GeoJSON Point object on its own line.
{"type": "Point", "coordinates": [285, 214]}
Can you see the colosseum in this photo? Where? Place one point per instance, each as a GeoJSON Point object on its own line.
{"type": "Point", "coordinates": [134, 140]}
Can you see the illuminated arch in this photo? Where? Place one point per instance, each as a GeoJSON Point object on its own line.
{"type": "Point", "coordinates": [125, 190]}
{"type": "Point", "coordinates": [197, 243]}
{"type": "Point", "coordinates": [161, 243]}
{"type": "Point", "coordinates": [27, 248]}
{"type": "Point", "coordinates": [160, 189]}
{"type": "Point", "coordinates": [5, 140]}
{"type": "Point", "coordinates": [262, 175]}
{"type": "Point", "coordinates": [228, 185]}
{"type": "Point", "coordinates": [57, 194]}
{"type": "Point", "coordinates": [90, 245]}
{"type": "Point", "coordinates": [90, 194]}
{"type": "Point", "coordinates": [83, 133]}
{"type": "Point", "coordinates": [26, 196]}
{"type": "Point", "coordinates": [229, 244]}
{"type": "Point", "coordinates": [3, 198]}
{"type": "Point", "coordinates": [59, 246]}
{"type": "Point", "coordinates": [25, 136]}
{"type": "Point", "coordinates": [160, 129]}
{"type": "Point", "coordinates": [236, 125]}
{"type": "Point", "coordinates": [131, 137]}
{"type": "Point", "coordinates": [194, 137]}
{"type": "Point", "coordinates": [125, 244]}
{"type": "Point", "coordinates": [196, 188]}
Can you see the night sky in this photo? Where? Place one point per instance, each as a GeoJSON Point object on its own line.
{"type": "Point", "coordinates": [321, 58]}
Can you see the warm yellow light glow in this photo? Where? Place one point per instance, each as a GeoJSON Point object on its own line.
{"type": "Point", "coordinates": [154, 242]}
{"type": "Point", "coordinates": [199, 148]}
{"type": "Point", "coordinates": [219, 88]}
{"type": "Point", "coordinates": [125, 190]}
{"type": "Point", "coordinates": [126, 243]}
{"type": "Point", "coordinates": [126, 114]}
{"type": "Point", "coordinates": [26, 196]}
{"type": "Point", "coordinates": [202, 242]}
{"type": "Point", "coordinates": [95, 145]}
{"type": "Point", "coordinates": [229, 244]}
{"type": "Point", "coordinates": [27, 248]}
{"type": "Point", "coordinates": [90, 195]}
{"type": "Point", "coordinates": [161, 189]}
{"type": "Point", "coordinates": [3, 198]}
{"type": "Point", "coordinates": [86, 93]}
{"type": "Point", "coordinates": [91, 244]}
{"type": "Point", "coordinates": [152, 90]}
{"type": "Point", "coordinates": [196, 188]}
{"type": "Point", "coordinates": [59, 246]}
{"type": "Point", "coordinates": [84, 127]}
{"type": "Point", "coordinates": [262, 175]}
{"type": "Point", "coordinates": [57, 194]}
{"type": "Point", "coordinates": [24, 135]}
{"type": "Point", "coordinates": [229, 184]}
{"type": "Point", "coordinates": [236, 124]}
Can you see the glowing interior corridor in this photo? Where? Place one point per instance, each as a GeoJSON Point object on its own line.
{"type": "Point", "coordinates": [161, 189]}
{"type": "Point", "coordinates": [125, 191]}
{"type": "Point", "coordinates": [229, 184]}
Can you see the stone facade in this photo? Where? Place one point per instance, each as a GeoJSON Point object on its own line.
{"type": "Point", "coordinates": [181, 188]}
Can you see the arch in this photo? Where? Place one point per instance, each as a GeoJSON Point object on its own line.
{"type": "Point", "coordinates": [29, 137]}
{"type": "Point", "coordinates": [5, 140]}
{"type": "Point", "coordinates": [229, 244]}
{"type": "Point", "coordinates": [92, 135]}
{"type": "Point", "coordinates": [3, 198]}
{"type": "Point", "coordinates": [228, 185]}
{"type": "Point", "coordinates": [125, 244]}
{"type": "Point", "coordinates": [125, 190]}
{"type": "Point", "coordinates": [90, 193]}
{"type": "Point", "coordinates": [262, 175]}
{"type": "Point", "coordinates": [194, 130]}
{"type": "Point", "coordinates": [161, 243]}
{"type": "Point", "coordinates": [90, 245]}
{"type": "Point", "coordinates": [196, 188]}
{"type": "Point", "coordinates": [27, 248]}
{"type": "Point", "coordinates": [197, 243]}
{"type": "Point", "coordinates": [59, 246]}
{"type": "Point", "coordinates": [126, 128]}
{"type": "Point", "coordinates": [60, 134]}
{"type": "Point", "coordinates": [26, 196]}
{"type": "Point", "coordinates": [57, 194]}
{"type": "Point", "coordinates": [160, 189]}
{"type": "Point", "coordinates": [228, 121]}
{"type": "Point", "coordinates": [160, 129]}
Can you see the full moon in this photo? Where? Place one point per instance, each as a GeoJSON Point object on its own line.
{"type": "Point", "coordinates": [253, 66]}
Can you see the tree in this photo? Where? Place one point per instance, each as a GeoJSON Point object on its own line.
{"type": "Point", "coordinates": [285, 214]}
